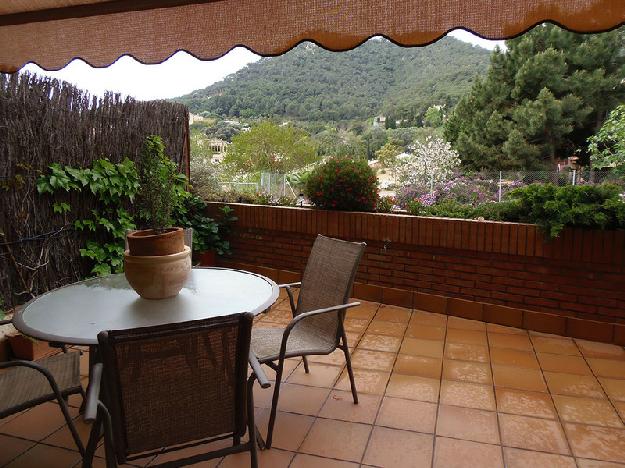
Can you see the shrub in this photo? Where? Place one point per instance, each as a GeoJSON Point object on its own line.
{"type": "Point", "coordinates": [507, 210]}
{"type": "Point", "coordinates": [343, 184]}
{"type": "Point", "coordinates": [449, 209]}
{"type": "Point", "coordinates": [552, 207]}
{"type": "Point", "coordinates": [385, 204]}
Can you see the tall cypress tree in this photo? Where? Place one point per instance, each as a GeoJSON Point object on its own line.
{"type": "Point", "coordinates": [541, 99]}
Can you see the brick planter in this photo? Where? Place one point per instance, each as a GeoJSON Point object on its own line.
{"type": "Point", "coordinates": [580, 275]}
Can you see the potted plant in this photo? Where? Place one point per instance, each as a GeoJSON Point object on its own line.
{"type": "Point", "coordinates": [157, 262]}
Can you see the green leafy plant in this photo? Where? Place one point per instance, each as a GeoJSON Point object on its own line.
{"type": "Point", "coordinates": [208, 233]}
{"type": "Point", "coordinates": [385, 204]}
{"type": "Point", "coordinates": [114, 187]}
{"type": "Point", "coordinates": [343, 184]}
{"type": "Point", "coordinates": [160, 185]}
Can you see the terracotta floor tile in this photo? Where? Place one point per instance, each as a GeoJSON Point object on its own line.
{"type": "Point", "coordinates": [188, 452]}
{"type": "Point", "coordinates": [468, 395]}
{"type": "Point", "coordinates": [12, 447]}
{"type": "Point", "coordinates": [476, 372]}
{"type": "Point", "coordinates": [366, 381]}
{"type": "Point", "coordinates": [337, 439]}
{"type": "Point", "coordinates": [452, 453]}
{"type": "Point", "coordinates": [496, 328]}
{"type": "Point", "coordinates": [564, 364]}
{"type": "Point", "coordinates": [46, 456]}
{"type": "Point", "coordinates": [599, 443]}
{"type": "Point", "coordinates": [608, 368]}
{"type": "Point", "coordinates": [413, 387]}
{"type": "Point", "coordinates": [289, 367]}
{"type": "Point", "coordinates": [336, 358]}
{"type": "Point", "coordinates": [466, 352]}
{"type": "Point", "coordinates": [373, 360]}
{"type": "Point", "coordinates": [393, 314]}
{"type": "Point", "coordinates": [36, 423]}
{"type": "Point", "coordinates": [289, 431]}
{"type": "Point", "coordinates": [399, 449]}
{"type": "Point", "coordinates": [518, 342]}
{"type": "Point", "coordinates": [525, 403]}
{"type": "Point", "coordinates": [63, 437]}
{"type": "Point", "coordinates": [593, 349]}
{"type": "Point", "coordinates": [380, 327]}
{"type": "Point", "coordinates": [512, 357]}
{"type": "Point", "coordinates": [274, 458]}
{"type": "Point", "coordinates": [465, 324]}
{"type": "Point", "coordinates": [353, 338]}
{"type": "Point", "coordinates": [533, 434]}
{"type": "Point", "coordinates": [418, 365]}
{"type": "Point", "coordinates": [425, 332]}
{"type": "Point", "coordinates": [363, 311]}
{"type": "Point", "coordinates": [410, 415]}
{"type": "Point", "coordinates": [340, 405]}
{"type": "Point", "coordinates": [586, 411]}
{"type": "Point", "coordinates": [419, 347]}
{"type": "Point", "coordinates": [620, 408]}
{"type": "Point", "coordinates": [573, 385]}
{"type": "Point", "coordinates": [614, 388]}
{"type": "Point", "coordinates": [311, 461]}
{"type": "Point", "coordinates": [467, 424]}
{"type": "Point", "coordinates": [516, 458]}
{"type": "Point", "coordinates": [583, 463]}
{"type": "Point", "coordinates": [320, 375]}
{"type": "Point", "coordinates": [474, 337]}
{"type": "Point", "coordinates": [428, 318]}
{"type": "Point", "coordinates": [519, 378]}
{"type": "Point", "coordinates": [301, 399]}
{"type": "Point", "coordinates": [373, 342]}
{"type": "Point", "coordinates": [563, 346]}
{"type": "Point", "coordinates": [355, 325]}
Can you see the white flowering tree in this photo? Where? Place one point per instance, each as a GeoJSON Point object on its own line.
{"type": "Point", "coordinates": [431, 162]}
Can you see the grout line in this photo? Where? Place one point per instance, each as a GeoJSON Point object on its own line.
{"type": "Point", "coordinates": [440, 385]}
{"type": "Point", "coordinates": [492, 376]}
{"type": "Point", "coordinates": [558, 418]}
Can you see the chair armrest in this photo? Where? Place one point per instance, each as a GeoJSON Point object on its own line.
{"type": "Point", "coordinates": [258, 371]}
{"type": "Point", "coordinates": [5, 322]}
{"type": "Point", "coordinates": [288, 287]}
{"type": "Point", "coordinates": [93, 393]}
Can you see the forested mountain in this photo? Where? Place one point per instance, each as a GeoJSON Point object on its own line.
{"type": "Point", "coordinates": [312, 84]}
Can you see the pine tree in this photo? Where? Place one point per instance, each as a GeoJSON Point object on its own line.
{"type": "Point", "coordinates": [540, 101]}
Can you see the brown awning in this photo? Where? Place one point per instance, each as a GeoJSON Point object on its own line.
{"type": "Point", "coordinates": [53, 32]}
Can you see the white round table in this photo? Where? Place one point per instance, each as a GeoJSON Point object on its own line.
{"type": "Point", "coordinates": [75, 314]}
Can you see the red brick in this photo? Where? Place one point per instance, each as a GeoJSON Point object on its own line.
{"type": "Point", "coordinates": [589, 330]}
{"type": "Point", "coordinates": [503, 315]}
{"type": "Point", "coordinates": [619, 334]}
{"type": "Point", "coordinates": [367, 292]}
{"type": "Point", "coordinates": [466, 309]}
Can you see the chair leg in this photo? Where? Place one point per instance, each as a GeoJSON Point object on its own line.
{"type": "Point", "coordinates": [306, 369]}
{"type": "Point", "coordinates": [251, 425]}
{"type": "Point", "coordinates": [350, 372]}
{"type": "Point", "coordinates": [70, 424]}
{"type": "Point", "coordinates": [274, 405]}
{"type": "Point", "coordinates": [94, 437]}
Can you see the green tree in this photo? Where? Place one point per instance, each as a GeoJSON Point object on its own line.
{"type": "Point", "coordinates": [541, 100]}
{"type": "Point", "coordinates": [607, 146]}
{"type": "Point", "coordinates": [433, 116]}
{"type": "Point", "coordinates": [271, 148]}
{"type": "Point", "coordinates": [387, 155]}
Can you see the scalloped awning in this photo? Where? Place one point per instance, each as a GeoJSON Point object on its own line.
{"type": "Point", "coordinates": [53, 32]}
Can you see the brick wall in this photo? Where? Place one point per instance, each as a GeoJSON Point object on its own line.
{"type": "Point", "coordinates": [581, 274]}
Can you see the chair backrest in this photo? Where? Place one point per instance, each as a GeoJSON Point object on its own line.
{"type": "Point", "coordinates": [328, 279]}
{"type": "Point", "coordinates": [171, 384]}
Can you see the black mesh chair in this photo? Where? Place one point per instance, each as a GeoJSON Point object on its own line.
{"type": "Point", "coordinates": [165, 388]}
{"type": "Point", "coordinates": [317, 325]}
{"type": "Point", "coordinates": [24, 384]}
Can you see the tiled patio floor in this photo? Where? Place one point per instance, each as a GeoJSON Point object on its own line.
{"type": "Point", "coordinates": [435, 391]}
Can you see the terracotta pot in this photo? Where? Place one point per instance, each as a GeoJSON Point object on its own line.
{"type": "Point", "coordinates": [157, 277]}
{"type": "Point", "coordinates": [148, 242]}
{"type": "Point", "coordinates": [28, 349]}
{"type": "Point", "coordinates": [208, 258]}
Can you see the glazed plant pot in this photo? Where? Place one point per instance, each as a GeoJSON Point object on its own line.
{"type": "Point", "coordinates": [157, 276]}
{"type": "Point", "coordinates": [148, 242]}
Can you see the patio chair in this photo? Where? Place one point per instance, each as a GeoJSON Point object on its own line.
{"type": "Point", "coordinates": [25, 384]}
{"type": "Point", "coordinates": [169, 387]}
{"type": "Point", "coordinates": [317, 325]}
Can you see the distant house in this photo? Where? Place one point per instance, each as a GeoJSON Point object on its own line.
{"type": "Point", "coordinates": [195, 118]}
{"type": "Point", "coordinates": [219, 148]}
{"type": "Point", "coordinates": [379, 121]}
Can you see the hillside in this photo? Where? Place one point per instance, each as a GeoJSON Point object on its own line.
{"type": "Point", "coordinates": [312, 84]}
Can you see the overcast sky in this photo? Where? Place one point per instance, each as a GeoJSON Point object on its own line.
{"type": "Point", "coordinates": [179, 75]}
